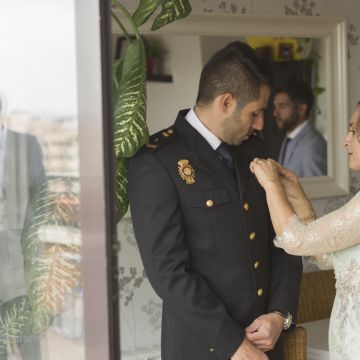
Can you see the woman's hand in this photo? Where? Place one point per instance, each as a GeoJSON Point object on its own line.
{"type": "Point", "coordinates": [266, 172]}
{"type": "Point", "coordinates": [290, 182]}
{"type": "Point", "coordinates": [295, 194]}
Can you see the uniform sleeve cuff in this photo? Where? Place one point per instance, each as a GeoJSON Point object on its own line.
{"type": "Point", "coordinates": [229, 338]}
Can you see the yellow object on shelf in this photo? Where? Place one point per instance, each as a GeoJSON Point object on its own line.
{"type": "Point", "coordinates": [277, 48]}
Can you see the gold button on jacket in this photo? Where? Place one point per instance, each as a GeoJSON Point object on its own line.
{"type": "Point", "coordinates": [209, 203]}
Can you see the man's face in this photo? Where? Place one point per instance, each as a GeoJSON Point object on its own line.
{"type": "Point", "coordinates": [242, 122]}
{"type": "Point", "coordinates": [286, 112]}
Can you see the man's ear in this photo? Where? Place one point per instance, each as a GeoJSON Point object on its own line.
{"type": "Point", "coordinates": [302, 110]}
{"type": "Point", "coordinates": [226, 103]}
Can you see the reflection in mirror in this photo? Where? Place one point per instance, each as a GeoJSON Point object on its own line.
{"type": "Point", "coordinates": [291, 60]}
{"type": "Point", "coordinates": [306, 49]}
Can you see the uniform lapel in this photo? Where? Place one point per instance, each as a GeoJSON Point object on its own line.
{"type": "Point", "coordinates": [204, 157]}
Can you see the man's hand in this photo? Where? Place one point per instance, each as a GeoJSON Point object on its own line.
{"type": "Point", "coordinates": [248, 351]}
{"type": "Point", "coordinates": [264, 331]}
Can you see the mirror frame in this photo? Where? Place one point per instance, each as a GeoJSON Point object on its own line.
{"type": "Point", "coordinates": [333, 30]}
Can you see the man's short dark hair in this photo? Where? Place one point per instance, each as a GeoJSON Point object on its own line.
{"type": "Point", "coordinates": [299, 93]}
{"type": "Point", "coordinates": [235, 69]}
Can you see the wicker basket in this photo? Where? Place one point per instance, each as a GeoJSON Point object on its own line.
{"type": "Point", "coordinates": [317, 293]}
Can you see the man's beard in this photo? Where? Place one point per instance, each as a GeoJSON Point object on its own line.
{"type": "Point", "coordinates": [291, 122]}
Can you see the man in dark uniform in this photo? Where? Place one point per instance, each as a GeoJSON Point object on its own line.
{"type": "Point", "coordinates": [202, 225]}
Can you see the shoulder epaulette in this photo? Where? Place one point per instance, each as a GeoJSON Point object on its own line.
{"type": "Point", "coordinates": [160, 138]}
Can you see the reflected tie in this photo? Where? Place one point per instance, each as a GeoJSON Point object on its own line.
{"type": "Point", "coordinates": [224, 154]}
{"type": "Point", "coordinates": [283, 152]}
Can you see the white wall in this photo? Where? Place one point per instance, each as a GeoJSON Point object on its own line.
{"type": "Point", "coordinates": [166, 99]}
{"type": "Point", "coordinates": [211, 44]}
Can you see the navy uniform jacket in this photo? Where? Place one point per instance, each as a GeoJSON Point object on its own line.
{"type": "Point", "coordinates": [207, 246]}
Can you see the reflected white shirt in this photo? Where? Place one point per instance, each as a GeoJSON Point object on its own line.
{"type": "Point", "coordinates": [292, 134]}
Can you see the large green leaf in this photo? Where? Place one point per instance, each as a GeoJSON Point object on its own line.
{"type": "Point", "coordinates": [14, 317]}
{"type": "Point", "coordinates": [116, 72]}
{"type": "Point", "coordinates": [171, 10]}
{"type": "Point", "coordinates": [121, 187]}
{"type": "Point", "coordinates": [50, 279]}
{"type": "Point", "coordinates": [51, 271]}
{"type": "Point", "coordinates": [144, 11]}
{"type": "Point", "coordinates": [131, 131]}
{"type": "Point", "coordinates": [56, 203]}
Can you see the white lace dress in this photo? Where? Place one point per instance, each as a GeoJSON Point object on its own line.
{"type": "Point", "coordinates": [337, 233]}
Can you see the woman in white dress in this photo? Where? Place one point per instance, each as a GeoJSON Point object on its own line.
{"type": "Point", "coordinates": [332, 239]}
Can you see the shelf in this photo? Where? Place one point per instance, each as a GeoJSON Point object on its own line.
{"type": "Point", "coordinates": [160, 78]}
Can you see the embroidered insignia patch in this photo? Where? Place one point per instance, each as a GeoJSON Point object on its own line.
{"type": "Point", "coordinates": [186, 171]}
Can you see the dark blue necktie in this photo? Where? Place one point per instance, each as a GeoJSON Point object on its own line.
{"type": "Point", "coordinates": [223, 153]}
{"type": "Point", "coordinates": [283, 153]}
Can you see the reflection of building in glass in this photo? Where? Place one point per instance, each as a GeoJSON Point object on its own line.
{"type": "Point", "coordinates": [58, 140]}
{"type": "Point", "coordinates": [48, 238]}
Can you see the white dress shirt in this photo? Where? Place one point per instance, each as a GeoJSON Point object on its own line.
{"type": "Point", "coordinates": [196, 123]}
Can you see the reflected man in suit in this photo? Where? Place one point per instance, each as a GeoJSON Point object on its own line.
{"type": "Point", "coordinates": [303, 149]}
{"type": "Point", "coordinates": [202, 225]}
{"type": "Point", "coordinates": [21, 171]}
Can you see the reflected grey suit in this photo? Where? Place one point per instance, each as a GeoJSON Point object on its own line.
{"type": "Point", "coordinates": [23, 172]}
{"type": "Point", "coordinates": [207, 246]}
{"type": "Point", "coordinates": [306, 154]}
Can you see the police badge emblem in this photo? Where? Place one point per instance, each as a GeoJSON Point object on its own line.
{"type": "Point", "coordinates": [186, 171]}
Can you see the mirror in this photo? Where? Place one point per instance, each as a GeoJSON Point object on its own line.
{"type": "Point", "coordinates": [189, 43]}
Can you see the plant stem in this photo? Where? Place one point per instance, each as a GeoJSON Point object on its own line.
{"type": "Point", "coordinates": [129, 17]}
{"type": "Point", "coordinates": [121, 25]}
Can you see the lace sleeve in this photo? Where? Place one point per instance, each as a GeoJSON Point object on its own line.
{"type": "Point", "coordinates": [335, 231]}
{"type": "Point", "coordinates": [324, 262]}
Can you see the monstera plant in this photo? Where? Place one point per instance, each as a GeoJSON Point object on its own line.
{"type": "Point", "coordinates": [129, 84]}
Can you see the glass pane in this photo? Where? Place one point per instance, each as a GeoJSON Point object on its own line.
{"type": "Point", "coordinates": [41, 306]}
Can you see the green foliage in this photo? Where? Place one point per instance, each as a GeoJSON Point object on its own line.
{"type": "Point", "coordinates": [129, 85]}
{"type": "Point", "coordinates": [131, 131]}
{"type": "Point", "coordinates": [14, 318]}
{"type": "Point", "coordinates": [116, 72]}
{"type": "Point", "coordinates": [121, 187]}
{"type": "Point", "coordinates": [144, 11]}
{"type": "Point", "coordinates": [171, 10]}
{"type": "Point", "coordinates": [51, 270]}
